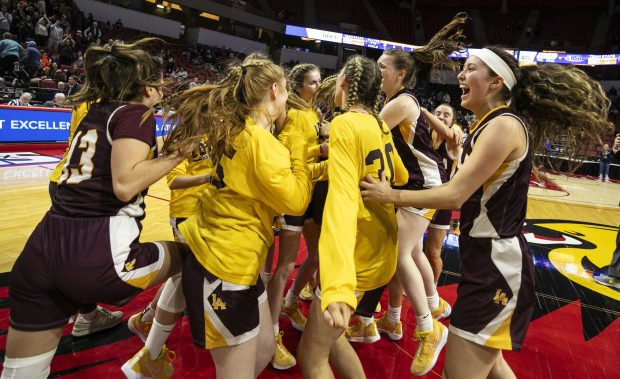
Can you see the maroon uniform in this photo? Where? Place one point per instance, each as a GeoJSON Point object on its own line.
{"type": "Point", "coordinates": [495, 297]}
{"type": "Point", "coordinates": [86, 249]}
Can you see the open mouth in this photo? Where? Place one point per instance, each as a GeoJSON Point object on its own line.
{"type": "Point", "coordinates": [464, 90]}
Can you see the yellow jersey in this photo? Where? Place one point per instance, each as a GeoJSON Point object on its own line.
{"type": "Point", "coordinates": [183, 201]}
{"type": "Point", "coordinates": [358, 243]}
{"type": "Point", "coordinates": [306, 123]}
{"type": "Point", "coordinates": [253, 182]}
{"type": "Point", "coordinates": [77, 116]}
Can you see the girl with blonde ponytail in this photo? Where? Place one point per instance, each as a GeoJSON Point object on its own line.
{"type": "Point", "coordinates": [255, 179]}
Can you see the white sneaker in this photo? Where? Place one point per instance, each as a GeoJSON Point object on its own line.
{"type": "Point", "coordinates": [104, 319]}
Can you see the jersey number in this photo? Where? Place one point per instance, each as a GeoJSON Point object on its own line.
{"type": "Point", "coordinates": [88, 143]}
{"type": "Point", "coordinates": [373, 155]}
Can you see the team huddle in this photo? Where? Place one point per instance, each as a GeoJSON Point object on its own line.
{"type": "Point", "coordinates": [352, 162]}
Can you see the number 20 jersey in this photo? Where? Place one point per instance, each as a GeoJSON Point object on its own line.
{"type": "Point", "coordinates": [358, 244]}
{"type": "Point", "coordinates": [85, 186]}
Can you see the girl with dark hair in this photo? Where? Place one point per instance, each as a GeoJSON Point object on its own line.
{"type": "Point", "coordinates": [515, 109]}
{"type": "Point", "coordinates": [86, 249]}
{"type": "Point", "coordinates": [352, 260]}
{"type": "Point", "coordinates": [449, 149]}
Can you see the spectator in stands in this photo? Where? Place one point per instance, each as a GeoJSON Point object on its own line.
{"type": "Point", "coordinates": [194, 83]}
{"type": "Point", "coordinates": [180, 74]}
{"type": "Point", "coordinates": [615, 159]}
{"type": "Point", "coordinates": [61, 86]}
{"type": "Point", "coordinates": [88, 39]}
{"type": "Point", "coordinates": [55, 35]}
{"type": "Point", "coordinates": [74, 86]}
{"type": "Point", "coordinates": [6, 19]}
{"type": "Point", "coordinates": [109, 44]}
{"type": "Point", "coordinates": [25, 28]}
{"type": "Point", "coordinates": [66, 50]}
{"type": "Point", "coordinates": [59, 97]}
{"type": "Point", "coordinates": [118, 25]}
{"type": "Point", "coordinates": [95, 29]}
{"type": "Point", "coordinates": [22, 101]}
{"type": "Point", "coordinates": [41, 6]}
{"type": "Point", "coordinates": [79, 61]}
{"type": "Point", "coordinates": [32, 58]}
{"type": "Point", "coordinates": [10, 52]}
{"type": "Point", "coordinates": [40, 30]}
{"type": "Point", "coordinates": [604, 159]}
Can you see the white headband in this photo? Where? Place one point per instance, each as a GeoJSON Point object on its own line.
{"type": "Point", "coordinates": [498, 66]}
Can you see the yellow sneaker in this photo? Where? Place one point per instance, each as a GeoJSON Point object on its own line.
{"type": "Point", "coordinates": [282, 358]}
{"type": "Point", "coordinates": [442, 311]}
{"type": "Point", "coordinates": [307, 293]}
{"type": "Point", "coordinates": [139, 327]}
{"type": "Point", "coordinates": [358, 332]}
{"type": "Point", "coordinates": [298, 320]}
{"type": "Point", "coordinates": [140, 366]}
{"type": "Point", "coordinates": [429, 348]}
{"type": "Point", "coordinates": [394, 330]}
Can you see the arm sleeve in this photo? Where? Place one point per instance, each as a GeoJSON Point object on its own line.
{"type": "Point", "coordinates": [318, 171]}
{"type": "Point", "coordinates": [179, 170]}
{"type": "Point", "coordinates": [314, 151]}
{"type": "Point", "coordinates": [337, 242]}
{"type": "Point", "coordinates": [283, 179]}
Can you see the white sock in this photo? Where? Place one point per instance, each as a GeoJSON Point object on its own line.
{"type": "Point", "coordinates": [290, 299]}
{"type": "Point", "coordinates": [149, 314]}
{"type": "Point", "coordinates": [37, 367]}
{"type": "Point", "coordinates": [276, 329]}
{"type": "Point", "coordinates": [393, 314]}
{"type": "Point", "coordinates": [367, 320]}
{"type": "Point", "coordinates": [424, 323]}
{"type": "Point", "coordinates": [90, 315]}
{"type": "Point", "coordinates": [433, 301]}
{"type": "Point", "coordinates": [157, 338]}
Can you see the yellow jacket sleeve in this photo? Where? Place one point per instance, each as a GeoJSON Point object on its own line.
{"type": "Point", "coordinates": [77, 116]}
{"type": "Point", "coordinates": [284, 182]}
{"type": "Point", "coordinates": [179, 170]}
{"type": "Point", "coordinates": [318, 171]}
{"type": "Point", "coordinates": [338, 235]}
{"type": "Point", "coordinates": [314, 151]}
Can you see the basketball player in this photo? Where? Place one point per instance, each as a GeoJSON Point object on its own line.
{"type": "Point", "coordinates": [352, 260]}
{"type": "Point", "coordinates": [495, 297]}
{"type": "Point", "coordinates": [92, 318]}
{"type": "Point", "coordinates": [412, 138]}
{"type": "Point", "coordinates": [186, 182]}
{"type": "Point", "coordinates": [255, 179]}
{"type": "Point", "coordinates": [301, 118]}
{"type": "Point", "coordinates": [86, 249]}
{"type": "Point", "coordinates": [448, 149]}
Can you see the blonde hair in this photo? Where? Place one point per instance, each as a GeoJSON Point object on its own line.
{"type": "Point", "coordinates": [364, 79]}
{"type": "Point", "coordinates": [217, 113]}
{"type": "Point", "coordinates": [323, 97]}
{"type": "Point", "coordinates": [434, 54]}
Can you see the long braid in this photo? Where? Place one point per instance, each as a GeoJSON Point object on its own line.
{"type": "Point", "coordinates": [354, 75]}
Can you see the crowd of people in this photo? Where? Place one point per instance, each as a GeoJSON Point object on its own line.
{"type": "Point", "coordinates": [262, 147]}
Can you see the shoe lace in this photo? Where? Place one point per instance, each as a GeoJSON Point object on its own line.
{"type": "Point", "coordinates": [423, 337]}
{"type": "Point", "coordinates": [106, 313]}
